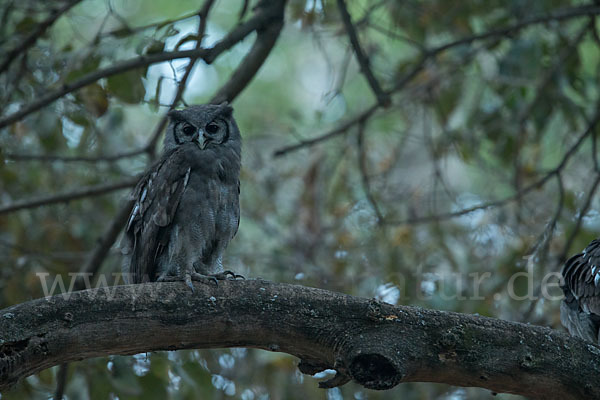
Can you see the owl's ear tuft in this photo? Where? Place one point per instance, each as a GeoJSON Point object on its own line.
{"type": "Point", "coordinates": [175, 115]}
{"type": "Point", "coordinates": [225, 108]}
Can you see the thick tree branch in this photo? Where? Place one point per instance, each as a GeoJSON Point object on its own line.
{"type": "Point", "coordinates": [375, 344]}
{"type": "Point", "coordinates": [87, 191]}
{"type": "Point", "coordinates": [251, 63]}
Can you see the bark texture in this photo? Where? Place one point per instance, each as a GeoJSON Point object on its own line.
{"type": "Point", "coordinates": [372, 343]}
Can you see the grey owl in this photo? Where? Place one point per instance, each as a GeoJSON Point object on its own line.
{"type": "Point", "coordinates": [187, 204]}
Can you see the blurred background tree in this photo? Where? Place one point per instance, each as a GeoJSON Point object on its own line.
{"type": "Point", "coordinates": [395, 150]}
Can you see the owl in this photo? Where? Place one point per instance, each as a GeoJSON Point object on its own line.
{"type": "Point", "coordinates": [186, 208]}
{"type": "Point", "coordinates": [580, 309]}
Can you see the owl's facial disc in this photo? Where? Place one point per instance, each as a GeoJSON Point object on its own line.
{"type": "Point", "coordinates": [214, 132]}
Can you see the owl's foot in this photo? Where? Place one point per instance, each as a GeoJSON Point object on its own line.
{"type": "Point", "coordinates": [221, 276]}
{"type": "Point", "coordinates": [198, 277]}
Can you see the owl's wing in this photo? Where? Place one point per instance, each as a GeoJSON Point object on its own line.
{"type": "Point", "coordinates": [581, 311]}
{"type": "Point", "coordinates": [157, 196]}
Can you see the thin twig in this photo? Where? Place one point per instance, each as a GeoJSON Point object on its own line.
{"type": "Point", "coordinates": [367, 15]}
{"type": "Point", "coordinates": [396, 36]}
{"type": "Point", "coordinates": [562, 256]}
{"type": "Point", "coordinates": [383, 98]}
{"type": "Point", "coordinates": [341, 129]}
{"type": "Point", "coordinates": [550, 75]}
{"type": "Point", "coordinates": [595, 153]}
{"type": "Point", "coordinates": [109, 237]}
{"type": "Point", "coordinates": [6, 12]}
{"type": "Point", "coordinates": [61, 381]}
{"type": "Point", "coordinates": [363, 116]}
{"type": "Point", "coordinates": [129, 30]}
{"type": "Point", "coordinates": [243, 9]}
{"type": "Point", "coordinates": [30, 40]}
{"type": "Point", "coordinates": [43, 255]}
{"type": "Point", "coordinates": [560, 15]}
{"type": "Point", "coordinates": [582, 213]}
{"type": "Point", "coordinates": [543, 244]}
{"type": "Point", "coordinates": [540, 91]}
{"type": "Point", "coordinates": [64, 197]}
{"type": "Point", "coordinates": [502, 202]}
{"type": "Point", "coordinates": [362, 164]}
{"type": "Point", "coordinates": [90, 159]}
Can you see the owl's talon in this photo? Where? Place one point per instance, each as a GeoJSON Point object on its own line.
{"type": "Point", "coordinates": [203, 278]}
{"type": "Point", "coordinates": [188, 282]}
{"type": "Point", "coordinates": [228, 273]}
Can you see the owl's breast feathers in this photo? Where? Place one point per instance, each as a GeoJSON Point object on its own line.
{"type": "Point", "coordinates": [580, 310]}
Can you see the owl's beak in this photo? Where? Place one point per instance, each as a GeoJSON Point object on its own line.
{"type": "Point", "coordinates": [202, 140]}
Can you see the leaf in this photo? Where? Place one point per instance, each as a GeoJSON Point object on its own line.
{"type": "Point", "coordinates": [185, 39]}
{"type": "Point", "coordinates": [171, 31]}
{"type": "Point", "coordinates": [94, 99]}
{"type": "Point", "coordinates": [25, 24]}
{"type": "Point", "coordinates": [155, 47]}
{"type": "Point", "coordinates": [121, 32]}
{"type": "Point", "coordinates": [127, 87]}
{"type": "Point", "coordinates": [87, 65]}
{"type": "Point", "coordinates": [50, 131]}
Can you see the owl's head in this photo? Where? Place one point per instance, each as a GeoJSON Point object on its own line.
{"type": "Point", "coordinates": [208, 125]}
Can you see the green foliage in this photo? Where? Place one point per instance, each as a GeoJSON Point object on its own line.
{"type": "Point", "coordinates": [127, 87]}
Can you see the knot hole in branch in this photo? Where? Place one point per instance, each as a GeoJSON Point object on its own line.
{"type": "Point", "coordinates": [374, 371]}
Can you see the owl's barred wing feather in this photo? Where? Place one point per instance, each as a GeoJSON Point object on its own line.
{"type": "Point", "coordinates": [237, 212]}
{"type": "Point", "coordinates": [580, 310]}
{"type": "Point", "coordinates": [157, 197]}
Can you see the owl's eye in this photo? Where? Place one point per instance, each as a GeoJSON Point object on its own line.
{"type": "Point", "coordinates": [212, 128]}
{"type": "Point", "coordinates": [189, 130]}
